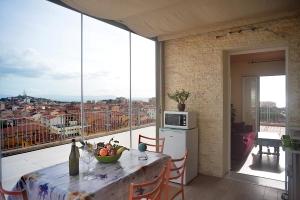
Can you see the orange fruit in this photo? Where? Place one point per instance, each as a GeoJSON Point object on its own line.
{"type": "Point", "coordinates": [103, 152]}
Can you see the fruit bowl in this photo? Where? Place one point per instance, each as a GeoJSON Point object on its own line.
{"type": "Point", "coordinates": [107, 159]}
{"type": "Point", "coordinates": [109, 153]}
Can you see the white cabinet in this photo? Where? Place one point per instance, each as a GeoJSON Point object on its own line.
{"type": "Point", "coordinates": [177, 141]}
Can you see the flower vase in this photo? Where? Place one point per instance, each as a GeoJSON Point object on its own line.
{"type": "Point", "coordinates": [181, 106]}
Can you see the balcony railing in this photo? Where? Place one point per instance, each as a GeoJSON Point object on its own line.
{"type": "Point", "coordinates": [272, 116]}
{"type": "Point", "coordinates": [57, 154]}
{"type": "Point", "coordinates": [38, 130]}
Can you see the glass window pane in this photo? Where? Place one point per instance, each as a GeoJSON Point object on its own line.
{"type": "Point", "coordinates": [143, 88]}
{"type": "Point", "coordinates": [106, 80]}
{"type": "Point", "coordinates": [40, 76]}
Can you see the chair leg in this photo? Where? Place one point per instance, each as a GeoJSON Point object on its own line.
{"type": "Point", "coordinates": [166, 192]}
{"type": "Point", "coordinates": [24, 195]}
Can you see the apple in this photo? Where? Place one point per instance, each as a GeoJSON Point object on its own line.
{"type": "Point", "coordinates": [103, 152]}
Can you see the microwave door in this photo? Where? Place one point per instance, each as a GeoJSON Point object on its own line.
{"type": "Point", "coordinates": [172, 119]}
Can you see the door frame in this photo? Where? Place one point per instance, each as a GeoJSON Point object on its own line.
{"type": "Point", "coordinates": [227, 95]}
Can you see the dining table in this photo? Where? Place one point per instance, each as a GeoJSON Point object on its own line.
{"type": "Point", "coordinates": [107, 181]}
{"type": "Point", "coordinates": [269, 139]}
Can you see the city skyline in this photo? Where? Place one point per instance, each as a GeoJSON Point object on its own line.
{"type": "Point", "coordinates": [28, 121]}
{"type": "Point", "coordinates": [77, 98]}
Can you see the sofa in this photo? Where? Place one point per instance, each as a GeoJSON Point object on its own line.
{"type": "Point", "coordinates": [242, 140]}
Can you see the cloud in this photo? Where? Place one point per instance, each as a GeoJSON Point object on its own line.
{"type": "Point", "coordinates": [29, 63]}
{"type": "Point", "coordinates": [26, 63]}
{"type": "Point", "coordinates": [97, 74]}
{"type": "Point", "coordinates": [59, 76]}
{"type": "Point", "coordinates": [18, 71]}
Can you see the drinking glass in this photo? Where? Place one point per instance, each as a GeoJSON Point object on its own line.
{"type": "Point", "coordinates": [87, 158]}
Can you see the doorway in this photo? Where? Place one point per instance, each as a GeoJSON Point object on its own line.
{"type": "Point", "coordinates": [258, 114]}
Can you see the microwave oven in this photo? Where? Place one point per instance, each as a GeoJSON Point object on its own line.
{"type": "Point", "coordinates": [180, 120]}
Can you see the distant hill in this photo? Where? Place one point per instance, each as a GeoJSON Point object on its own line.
{"type": "Point", "coordinates": [32, 99]}
{"type": "Point", "coordinates": [65, 99]}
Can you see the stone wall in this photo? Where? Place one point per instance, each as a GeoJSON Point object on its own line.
{"type": "Point", "coordinates": [198, 63]}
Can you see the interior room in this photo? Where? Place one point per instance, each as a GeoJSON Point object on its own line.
{"type": "Point", "coordinates": [149, 99]}
{"type": "Point", "coordinates": [253, 115]}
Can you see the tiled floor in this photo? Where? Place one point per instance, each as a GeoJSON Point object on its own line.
{"type": "Point", "coordinates": [257, 180]}
{"type": "Point", "coordinates": [212, 188]}
{"type": "Point", "coordinates": [268, 167]}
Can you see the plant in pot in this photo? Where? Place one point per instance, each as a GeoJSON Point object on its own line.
{"type": "Point", "coordinates": [180, 96]}
{"type": "Point", "coordinates": [289, 143]}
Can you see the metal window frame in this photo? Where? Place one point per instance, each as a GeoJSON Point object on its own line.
{"type": "Point", "coordinates": [158, 73]}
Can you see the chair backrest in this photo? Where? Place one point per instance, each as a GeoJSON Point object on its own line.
{"type": "Point", "coordinates": [153, 189]}
{"type": "Point", "coordinates": [151, 143]}
{"type": "Point", "coordinates": [4, 192]}
{"type": "Point", "coordinates": [175, 171]}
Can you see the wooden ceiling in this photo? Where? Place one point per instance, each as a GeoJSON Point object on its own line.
{"type": "Point", "coordinates": [168, 19]}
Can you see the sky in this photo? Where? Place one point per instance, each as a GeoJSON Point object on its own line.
{"type": "Point", "coordinates": [40, 53]}
{"type": "Point", "coordinates": [272, 88]}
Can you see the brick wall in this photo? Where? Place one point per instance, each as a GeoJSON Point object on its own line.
{"type": "Point", "coordinates": [196, 63]}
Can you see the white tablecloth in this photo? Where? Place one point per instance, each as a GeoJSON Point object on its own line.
{"type": "Point", "coordinates": [106, 181]}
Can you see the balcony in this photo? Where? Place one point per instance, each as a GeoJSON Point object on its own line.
{"type": "Point", "coordinates": [34, 160]}
{"type": "Point", "coordinates": [20, 135]}
{"type": "Point", "coordinates": [40, 141]}
{"type": "Point", "coordinates": [272, 119]}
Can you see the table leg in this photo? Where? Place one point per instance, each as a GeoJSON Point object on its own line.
{"type": "Point", "coordinates": [277, 154]}
{"type": "Point", "coordinates": [260, 151]}
{"type": "Point", "coordinates": [277, 151]}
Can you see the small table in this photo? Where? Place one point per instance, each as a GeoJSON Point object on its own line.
{"type": "Point", "coordinates": [269, 139]}
{"type": "Point", "coordinates": [107, 181]}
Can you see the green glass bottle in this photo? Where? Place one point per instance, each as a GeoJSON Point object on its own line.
{"type": "Point", "coordinates": [74, 160]}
